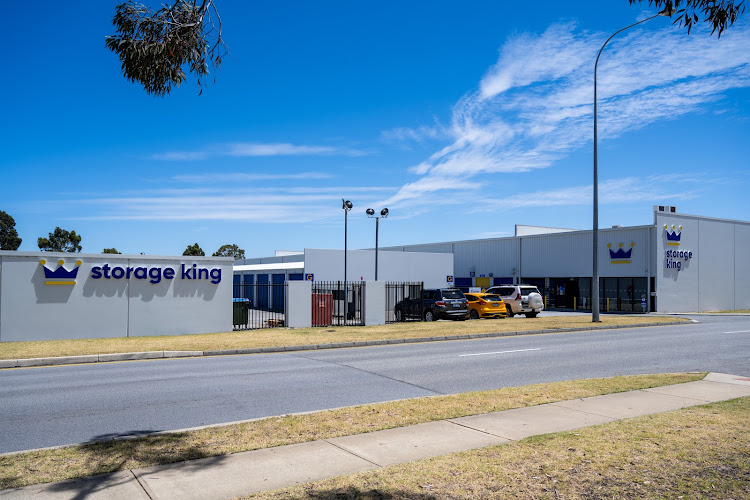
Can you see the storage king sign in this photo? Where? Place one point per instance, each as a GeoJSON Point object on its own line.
{"type": "Point", "coordinates": [155, 274]}
{"type": "Point", "coordinates": [60, 275]}
{"type": "Point", "coordinates": [675, 258]}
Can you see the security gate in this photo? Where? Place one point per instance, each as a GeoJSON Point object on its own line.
{"type": "Point", "coordinates": [337, 303]}
{"type": "Point", "coordinates": [402, 298]}
{"type": "Point", "coordinates": [258, 304]}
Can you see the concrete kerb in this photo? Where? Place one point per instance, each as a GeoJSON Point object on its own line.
{"type": "Point", "coordinates": [136, 356]}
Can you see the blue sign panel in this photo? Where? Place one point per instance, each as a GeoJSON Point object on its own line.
{"type": "Point", "coordinates": [309, 277]}
{"type": "Point", "coordinates": [449, 279]}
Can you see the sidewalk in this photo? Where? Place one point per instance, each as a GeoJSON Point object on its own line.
{"type": "Point", "coordinates": [249, 472]}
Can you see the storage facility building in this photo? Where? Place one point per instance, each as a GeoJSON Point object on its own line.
{"type": "Point", "coordinates": [678, 263]}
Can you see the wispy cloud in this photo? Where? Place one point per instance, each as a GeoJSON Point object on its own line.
{"type": "Point", "coordinates": [535, 105]}
{"type": "Point", "coordinates": [421, 134]}
{"type": "Point", "coordinates": [248, 177]}
{"type": "Point", "coordinates": [613, 191]}
{"type": "Point", "coordinates": [300, 204]}
{"type": "Point", "coordinates": [255, 149]}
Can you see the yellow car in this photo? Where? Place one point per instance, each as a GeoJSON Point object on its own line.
{"type": "Point", "coordinates": [485, 305]}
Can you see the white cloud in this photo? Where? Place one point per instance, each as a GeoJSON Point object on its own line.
{"type": "Point", "coordinates": [256, 149]}
{"type": "Point", "coordinates": [535, 105]}
{"type": "Point", "coordinates": [419, 134]}
{"type": "Point", "coordinates": [248, 177]}
{"type": "Point", "coordinates": [279, 204]}
{"type": "Point", "coordinates": [613, 191]}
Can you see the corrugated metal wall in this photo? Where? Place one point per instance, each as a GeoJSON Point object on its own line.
{"type": "Point", "coordinates": [496, 256]}
{"type": "Point", "coordinates": [569, 254]}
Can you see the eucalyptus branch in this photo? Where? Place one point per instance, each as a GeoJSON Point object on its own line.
{"type": "Point", "coordinates": [721, 14]}
{"type": "Point", "coordinates": [154, 47]}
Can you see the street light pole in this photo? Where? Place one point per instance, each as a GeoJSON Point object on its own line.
{"type": "Point", "coordinates": [595, 271]}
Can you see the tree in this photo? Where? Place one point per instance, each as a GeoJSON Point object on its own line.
{"type": "Point", "coordinates": [60, 241]}
{"type": "Point", "coordinates": [195, 250]}
{"type": "Point", "coordinates": [230, 251]}
{"type": "Point", "coordinates": [720, 13]}
{"type": "Point", "coordinates": [111, 250]}
{"type": "Point", "coordinates": [9, 239]}
{"type": "Point", "coordinates": [154, 47]}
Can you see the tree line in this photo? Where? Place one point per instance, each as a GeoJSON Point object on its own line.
{"type": "Point", "coordinates": [62, 240]}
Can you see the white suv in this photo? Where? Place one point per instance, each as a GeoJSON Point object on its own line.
{"type": "Point", "coordinates": [520, 299]}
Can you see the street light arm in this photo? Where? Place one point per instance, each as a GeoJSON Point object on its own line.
{"type": "Point", "coordinates": [618, 31]}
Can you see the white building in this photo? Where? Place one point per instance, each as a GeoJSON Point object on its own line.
{"type": "Point", "coordinates": [678, 263]}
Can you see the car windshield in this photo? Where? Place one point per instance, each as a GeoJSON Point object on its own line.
{"type": "Point", "coordinates": [453, 294]}
{"type": "Point", "coordinates": [527, 291]}
{"type": "Point", "coordinates": [491, 297]}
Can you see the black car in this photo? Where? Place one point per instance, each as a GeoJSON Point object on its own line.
{"type": "Point", "coordinates": [436, 303]}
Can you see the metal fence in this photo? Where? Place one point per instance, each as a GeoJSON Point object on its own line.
{"type": "Point", "coordinates": [258, 305]}
{"type": "Point", "coordinates": [401, 298]}
{"type": "Point", "coordinates": [337, 303]}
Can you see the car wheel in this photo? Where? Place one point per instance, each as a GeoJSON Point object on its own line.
{"type": "Point", "coordinates": [428, 316]}
{"type": "Point", "coordinates": [474, 314]}
{"type": "Point", "coordinates": [509, 309]}
{"type": "Point", "coordinates": [399, 315]}
{"type": "Point", "coordinates": [531, 315]}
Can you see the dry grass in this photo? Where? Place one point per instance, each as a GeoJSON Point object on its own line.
{"type": "Point", "coordinates": [86, 460]}
{"type": "Point", "coordinates": [700, 452]}
{"type": "Point", "coordinates": [275, 337]}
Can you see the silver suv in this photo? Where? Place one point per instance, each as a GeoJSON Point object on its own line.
{"type": "Point", "coordinates": [520, 299]}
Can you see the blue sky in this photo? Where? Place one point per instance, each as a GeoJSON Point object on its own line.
{"type": "Point", "coordinates": [462, 118]}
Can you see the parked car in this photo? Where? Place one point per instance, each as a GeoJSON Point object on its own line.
{"type": "Point", "coordinates": [486, 305]}
{"type": "Point", "coordinates": [436, 303]}
{"type": "Point", "coordinates": [520, 299]}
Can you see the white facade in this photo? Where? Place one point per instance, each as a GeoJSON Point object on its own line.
{"type": "Point", "coordinates": [701, 264]}
{"type": "Point", "coordinates": [636, 271]}
{"type": "Point", "coordinates": [328, 265]}
{"type": "Point", "coordinates": [106, 295]}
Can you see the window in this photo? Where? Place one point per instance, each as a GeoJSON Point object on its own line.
{"type": "Point", "coordinates": [453, 294]}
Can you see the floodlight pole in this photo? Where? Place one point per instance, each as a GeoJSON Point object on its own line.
{"type": "Point", "coordinates": [595, 270]}
{"type": "Point", "coordinates": [346, 205]}
{"type": "Point", "coordinates": [370, 213]}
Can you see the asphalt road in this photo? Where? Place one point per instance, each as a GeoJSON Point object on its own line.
{"type": "Point", "coordinates": [72, 404]}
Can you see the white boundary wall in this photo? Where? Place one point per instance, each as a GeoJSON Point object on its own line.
{"type": "Point", "coordinates": [32, 308]}
{"type": "Point", "coordinates": [431, 268]}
